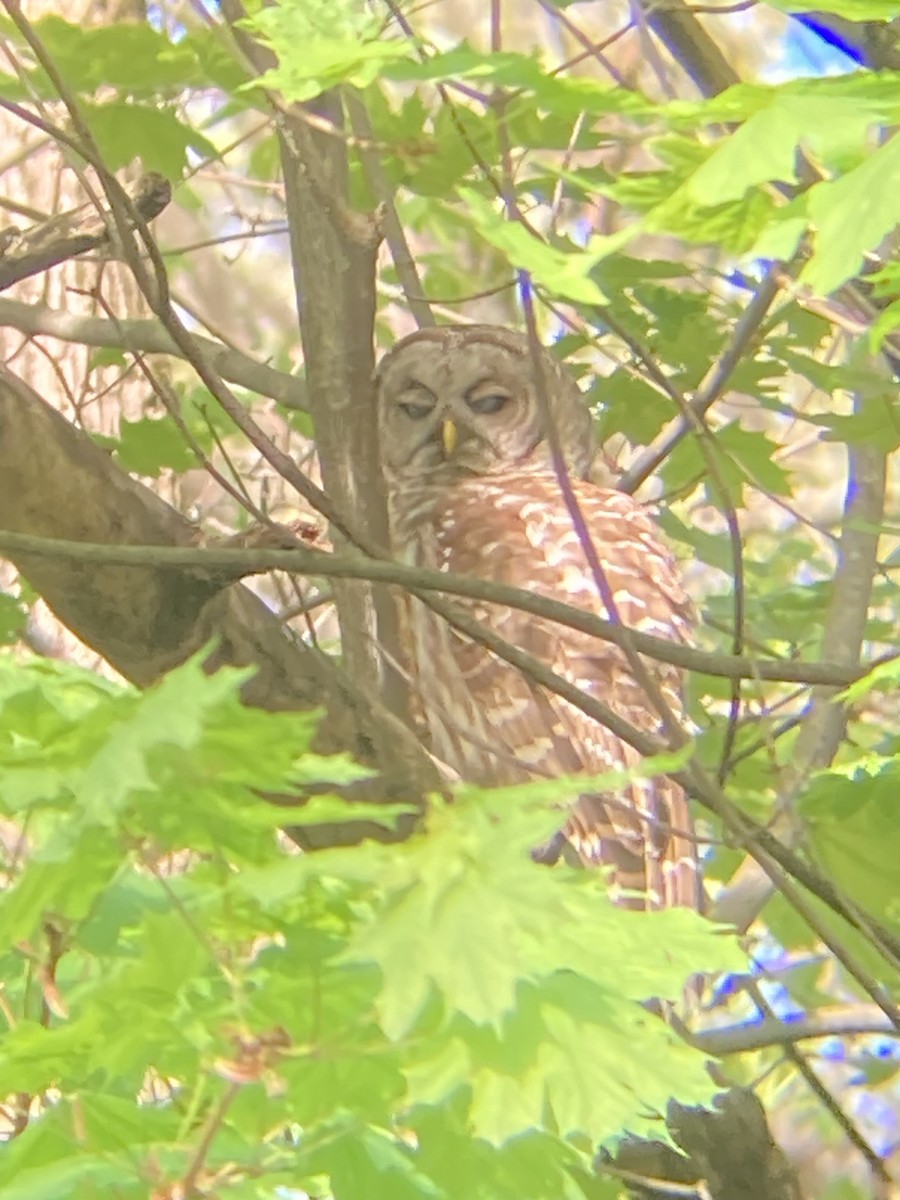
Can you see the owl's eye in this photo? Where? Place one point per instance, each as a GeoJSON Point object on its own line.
{"type": "Point", "coordinates": [416, 412]}
{"type": "Point", "coordinates": [485, 406]}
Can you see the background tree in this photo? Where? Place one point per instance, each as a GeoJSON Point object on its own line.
{"type": "Point", "coordinates": [429, 1017]}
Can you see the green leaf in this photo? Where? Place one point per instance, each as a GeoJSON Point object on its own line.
{"type": "Point", "coordinates": [156, 136]}
{"type": "Point", "coordinates": [632, 407]}
{"type": "Point", "coordinates": [469, 916]}
{"type": "Point", "coordinates": [323, 810]}
{"type": "Point", "coordinates": [884, 325]}
{"type": "Point", "coordinates": [754, 453]}
{"type": "Point", "coordinates": [851, 216]}
{"type": "Point", "coordinates": [735, 225]}
{"type": "Point", "coordinates": [764, 148]}
{"type": "Point", "coordinates": [871, 92]}
{"type": "Point", "coordinates": [363, 1161]}
{"type": "Point", "coordinates": [319, 47]}
{"type": "Point", "coordinates": [149, 445]}
{"type": "Point", "coordinates": [326, 64]}
{"type": "Point", "coordinates": [562, 94]}
{"type": "Point", "coordinates": [853, 10]}
{"type": "Point", "coordinates": [169, 715]}
{"type": "Point", "coordinates": [742, 457]}
{"type": "Point", "coordinates": [440, 984]}
{"type": "Point", "coordinates": [568, 1047]}
{"type": "Point", "coordinates": [874, 425]}
{"type": "Point", "coordinates": [715, 550]}
{"type": "Point", "coordinates": [562, 274]}
{"type": "Point", "coordinates": [780, 238]}
{"type": "Point", "coordinates": [132, 58]}
{"type": "Point", "coordinates": [52, 890]}
{"type": "Point", "coordinates": [59, 1180]}
{"type": "Point", "coordinates": [884, 676]}
{"type": "Point", "coordinates": [107, 356]}
{"type": "Point", "coordinates": [850, 814]}
{"type": "Point", "coordinates": [445, 158]}
{"type": "Point", "coordinates": [13, 618]}
{"type": "Point", "coordinates": [112, 1122]}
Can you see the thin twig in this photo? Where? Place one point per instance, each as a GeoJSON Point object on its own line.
{"type": "Point", "coordinates": [592, 49]}
{"type": "Point", "coordinates": [693, 419]}
{"type": "Point", "coordinates": [395, 235]}
{"type": "Point", "coordinates": [713, 386]}
{"type": "Point", "coordinates": [823, 1095]}
{"type": "Point", "coordinates": [191, 1179]}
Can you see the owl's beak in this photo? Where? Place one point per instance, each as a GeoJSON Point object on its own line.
{"type": "Point", "coordinates": [448, 436]}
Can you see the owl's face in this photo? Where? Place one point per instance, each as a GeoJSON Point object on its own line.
{"type": "Point", "coordinates": [462, 400]}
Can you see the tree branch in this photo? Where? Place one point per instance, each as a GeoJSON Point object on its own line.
{"type": "Point", "coordinates": [29, 252]}
{"type": "Point", "coordinates": [690, 46]}
{"type": "Point", "coordinates": [850, 1020]}
{"type": "Point", "coordinates": [227, 565]}
{"type": "Point", "coordinates": [149, 337]}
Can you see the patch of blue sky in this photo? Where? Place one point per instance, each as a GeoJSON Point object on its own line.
{"type": "Point", "coordinates": [162, 21]}
{"type": "Point", "coordinates": [779, 999]}
{"type": "Point", "coordinates": [877, 1114]}
{"type": "Point", "coordinates": [834, 1049]}
{"type": "Point", "coordinates": [769, 960]}
{"type": "Point", "coordinates": [810, 48]}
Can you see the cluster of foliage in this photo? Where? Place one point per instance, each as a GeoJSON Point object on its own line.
{"type": "Point", "coordinates": [443, 1018]}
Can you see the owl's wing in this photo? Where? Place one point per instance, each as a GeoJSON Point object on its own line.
{"type": "Point", "coordinates": [642, 831]}
{"type": "Point", "coordinates": [518, 531]}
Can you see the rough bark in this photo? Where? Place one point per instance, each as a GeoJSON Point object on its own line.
{"type": "Point", "coordinates": [55, 481]}
{"type": "Point", "coordinates": [728, 1154]}
{"type": "Point", "coordinates": [333, 255]}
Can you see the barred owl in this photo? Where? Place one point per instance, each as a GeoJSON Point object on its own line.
{"type": "Point", "coordinates": [472, 490]}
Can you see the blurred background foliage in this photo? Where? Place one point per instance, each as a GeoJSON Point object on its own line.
{"type": "Point", "coordinates": [700, 199]}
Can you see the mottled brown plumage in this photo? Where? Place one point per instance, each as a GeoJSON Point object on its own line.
{"type": "Point", "coordinates": [480, 497]}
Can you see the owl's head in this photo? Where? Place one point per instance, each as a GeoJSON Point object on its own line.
{"type": "Point", "coordinates": [463, 398]}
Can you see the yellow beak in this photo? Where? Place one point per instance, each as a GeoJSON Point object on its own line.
{"type": "Point", "coordinates": [448, 436]}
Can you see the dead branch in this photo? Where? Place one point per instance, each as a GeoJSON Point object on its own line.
{"type": "Point", "coordinates": [29, 252]}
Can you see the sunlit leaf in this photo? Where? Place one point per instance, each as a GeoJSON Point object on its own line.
{"type": "Point", "coordinates": [851, 216]}
{"type": "Point", "coordinates": [12, 618]}
{"type": "Point", "coordinates": [320, 46]}
{"type": "Point", "coordinates": [883, 675]}
{"type": "Point", "coordinates": [853, 10]}
{"type": "Point", "coordinates": [562, 274]}
{"type": "Point", "coordinates": [851, 816]}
